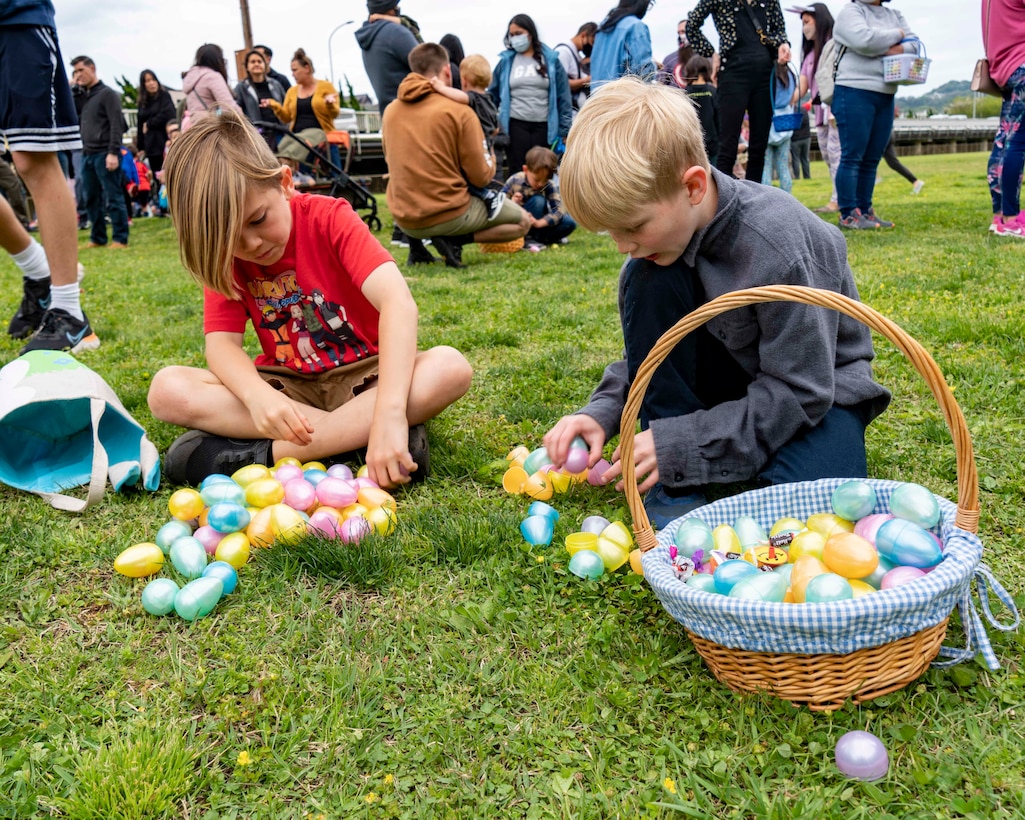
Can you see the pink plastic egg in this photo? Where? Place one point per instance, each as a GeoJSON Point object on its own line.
{"type": "Point", "coordinates": [868, 526]}
{"type": "Point", "coordinates": [576, 460]}
{"type": "Point", "coordinates": [900, 575]}
{"type": "Point", "coordinates": [286, 472]}
{"type": "Point", "coordinates": [300, 494]}
{"type": "Point", "coordinates": [336, 492]}
{"type": "Point", "coordinates": [353, 530]}
{"type": "Point", "coordinates": [209, 538]}
{"type": "Point", "coordinates": [326, 521]}
{"type": "Point", "coordinates": [594, 475]}
{"type": "Point", "coordinates": [365, 481]}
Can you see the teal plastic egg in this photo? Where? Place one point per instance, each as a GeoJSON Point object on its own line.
{"type": "Point", "coordinates": [188, 555]}
{"type": "Point", "coordinates": [587, 564]}
{"type": "Point", "coordinates": [198, 598]}
{"type": "Point", "coordinates": [693, 535]}
{"type": "Point", "coordinates": [536, 460]}
{"type": "Point", "coordinates": [749, 531]}
{"type": "Point", "coordinates": [223, 491]}
{"type": "Point", "coordinates": [875, 580]}
{"type": "Point", "coordinates": [762, 586]}
{"type": "Point", "coordinates": [537, 530]}
{"type": "Point", "coordinates": [171, 532]}
{"type": "Point", "coordinates": [827, 587]}
{"type": "Point", "coordinates": [226, 516]}
{"type": "Point", "coordinates": [729, 573]}
{"type": "Point", "coordinates": [913, 502]}
{"type": "Point", "coordinates": [158, 596]}
{"type": "Point", "coordinates": [853, 500]}
{"type": "Point", "coordinates": [702, 581]}
{"type": "Point", "coordinates": [906, 544]}
{"type": "Point", "coordinates": [214, 478]}
{"type": "Point", "coordinates": [540, 508]}
{"type": "Point", "coordinates": [225, 572]}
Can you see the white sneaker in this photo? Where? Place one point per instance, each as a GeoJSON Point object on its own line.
{"type": "Point", "coordinates": [918, 186]}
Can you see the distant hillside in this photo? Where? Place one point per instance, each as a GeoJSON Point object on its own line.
{"type": "Point", "coordinates": [935, 101]}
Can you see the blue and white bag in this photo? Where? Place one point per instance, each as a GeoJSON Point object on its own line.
{"type": "Point", "coordinates": [61, 426]}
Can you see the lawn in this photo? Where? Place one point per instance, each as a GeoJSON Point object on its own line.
{"type": "Point", "coordinates": [449, 670]}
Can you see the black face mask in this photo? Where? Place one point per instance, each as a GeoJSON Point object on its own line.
{"type": "Point", "coordinates": [586, 49]}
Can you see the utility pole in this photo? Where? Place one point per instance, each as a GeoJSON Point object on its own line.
{"type": "Point", "coordinates": [247, 28]}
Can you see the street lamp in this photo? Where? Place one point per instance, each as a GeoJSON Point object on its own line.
{"type": "Point", "coordinates": [330, 58]}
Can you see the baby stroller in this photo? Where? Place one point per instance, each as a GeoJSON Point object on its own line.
{"type": "Point", "coordinates": [330, 179]}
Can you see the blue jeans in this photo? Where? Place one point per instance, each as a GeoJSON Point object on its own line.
{"type": "Point", "coordinates": [103, 191]}
{"type": "Point", "coordinates": [550, 234]}
{"type": "Point", "coordinates": [864, 120]}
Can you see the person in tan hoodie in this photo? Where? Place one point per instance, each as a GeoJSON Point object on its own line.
{"type": "Point", "coordinates": [434, 147]}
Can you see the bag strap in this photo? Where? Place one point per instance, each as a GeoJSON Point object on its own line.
{"type": "Point", "coordinates": [758, 29]}
{"type": "Point", "coordinates": [840, 51]}
{"type": "Point", "coordinates": [98, 477]}
{"type": "Point", "coordinates": [985, 32]}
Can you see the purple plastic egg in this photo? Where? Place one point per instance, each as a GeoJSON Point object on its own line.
{"type": "Point", "coordinates": [594, 475]}
{"type": "Point", "coordinates": [336, 492]}
{"type": "Point", "coordinates": [300, 494]}
{"type": "Point", "coordinates": [340, 471]}
{"type": "Point", "coordinates": [899, 576]}
{"type": "Point", "coordinates": [595, 524]}
{"type": "Point", "coordinates": [576, 460]}
{"type": "Point", "coordinates": [209, 538]}
{"type": "Point", "coordinates": [325, 523]}
{"type": "Point", "coordinates": [868, 526]}
{"type": "Point", "coordinates": [862, 756]}
{"type": "Point", "coordinates": [365, 481]}
{"type": "Point", "coordinates": [354, 529]}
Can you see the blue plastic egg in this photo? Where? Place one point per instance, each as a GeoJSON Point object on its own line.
{"type": "Point", "coordinates": [587, 564]}
{"type": "Point", "coordinates": [854, 500]}
{"type": "Point", "coordinates": [214, 478]}
{"type": "Point", "coordinates": [537, 530]}
{"type": "Point", "coordinates": [225, 572]}
{"type": "Point", "coordinates": [314, 476]}
{"type": "Point", "coordinates": [876, 578]}
{"type": "Point", "coordinates": [702, 581]}
{"type": "Point", "coordinates": [158, 596]}
{"type": "Point", "coordinates": [223, 491]}
{"type": "Point", "coordinates": [827, 587]}
{"type": "Point", "coordinates": [171, 532]}
{"type": "Point", "coordinates": [762, 586]}
{"type": "Point", "coordinates": [904, 543]}
{"type": "Point", "coordinates": [729, 573]}
{"type": "Point", "coordinates": [188, 555]}
{"type": "Point", "coordinates": [540, 508]}
{"type": "Point", "coordinates": [913, 502]}
{"type": "Point", "coordinates": [227, 517]}
{"type": "Point", "coordinates": [198, 598]}
{"type": "Point", "coordinates": [749, 531]}
{"type": "Point", "coordinates": [693, 535]}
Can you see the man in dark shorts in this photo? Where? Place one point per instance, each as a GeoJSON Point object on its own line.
{"type": "Point", "coordinates": [37, 118]}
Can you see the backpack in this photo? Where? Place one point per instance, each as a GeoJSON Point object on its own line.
{"type": "Point", "coordinates": [825, 74]}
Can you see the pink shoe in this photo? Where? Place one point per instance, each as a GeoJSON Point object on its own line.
{"type": "Point", "coordinates": [1014, 227]}
{"type": "Point", "coordinates": [993, 225]}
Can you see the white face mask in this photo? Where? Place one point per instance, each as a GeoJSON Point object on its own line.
{"type": "Point", "coordinates": [519, 42]}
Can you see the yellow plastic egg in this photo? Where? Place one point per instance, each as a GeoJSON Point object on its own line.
{"type": "Point", "coordinates": [363, 471]}
{"type": "Point", "coordinates": [806, 542]}
{"type": "Point", "coordinates": [517, 455]}
{"type": "Point", "coordinates": [281, 462]}
{"type": "Point", "coordinates": [371, 497]}
{"type": "Point", "coordinates": [725, 539]}
{"type": "Point", "coordinates": [514, 479]}
{"type": "Point", "coordinates": [635, 562]}
{"type": "Point", "coordinates": [277, 523]}
{"type": "Point", "coordinates": [264, 491]}
{"type": "Point", "coordinates": [560, 481]}
{"type": "Point", "coordinates": [234, 549]}
{"type": "Point", "coordinates": [354, 511]}
{"type": "Point", "coordinates": [382, 520]}
{"type": "Point", "coordinates": [805, 568]}
{"type": "Point", "coordinates": [244, 476]}
{"type": "Point", "coordinates": [828, 523]}
{"type": "Point", "coordinates": [577, 541]}
{"type": "Point", "coordinates": [787, 525]}
{"type": "Point", "coordinates": [613, 554]}
{"type": "Point", "coordinates": [140, 561]}
{"type": "Point", "coordinates": [185, 504]}
{"type": "Point", "coordinates": [619, 533]}
{"type": "Point", "coordinates": [315, 465]}
{"type": "Point", "coordinates": [538, 487]}
{"type": "Point", "coordinates": [860, 587]}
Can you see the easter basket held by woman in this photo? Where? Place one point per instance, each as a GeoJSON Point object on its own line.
{"type": "Point", "coordinates": [822, 653]}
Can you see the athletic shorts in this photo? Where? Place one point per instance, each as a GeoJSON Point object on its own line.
{"type": "Point", "coordinates": [474, 219]}
{"type": "Point", "coordinates": [37, 111]}
{"type": "Point", "coordinates": [326, 391]}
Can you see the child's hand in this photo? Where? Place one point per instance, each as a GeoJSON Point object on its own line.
{"type": "Point", "coordinates": [645, 463]}
{"type": "Point", "coordinates": [277, 417]}
{"type": "Point", "coordinates": [538, 223]}
{"type": "Point", "coordinates": [389, 462]}
{"type": "Point", "coordinates": [517, 198]}
{"type": "Point", "coordinates": [557, 440]}
{"type": "Point", "coordinates": [435, 82]}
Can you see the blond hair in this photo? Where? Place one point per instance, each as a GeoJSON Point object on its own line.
{"type": "Point", "coordinates": [628, 147]}
{"type": "Point", "coordinates": [475, 70]}
{"type": "Point", "coordinates": [209, 172]}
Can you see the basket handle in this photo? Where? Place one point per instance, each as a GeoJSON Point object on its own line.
{"type": "Point", "coordinates": [967, 477]}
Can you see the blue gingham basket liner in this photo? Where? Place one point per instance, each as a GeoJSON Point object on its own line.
{"type": "Point", "coordinates": [836, 628]}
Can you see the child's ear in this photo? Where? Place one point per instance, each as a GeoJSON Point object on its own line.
{"type": "Point", "coordinates": [695, 180]}
{"type": "Point", "coordinates": [525, 169]}
{"type": "Point", "coordinates": [287, 182]}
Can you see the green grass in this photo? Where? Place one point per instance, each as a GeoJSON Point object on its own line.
{"type": "Point", "coordinates": [449, 671]}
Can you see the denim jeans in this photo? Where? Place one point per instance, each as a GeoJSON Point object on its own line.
{"type": "Point", "coordinates": [864, 120]}
{"type": "Point", "coordinates": [103, 190]}
{"type": "Point", "coordinates": [550, 234]}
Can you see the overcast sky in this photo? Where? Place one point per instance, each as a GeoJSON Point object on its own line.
{"type": "Point", "coordinates": [126, 37]}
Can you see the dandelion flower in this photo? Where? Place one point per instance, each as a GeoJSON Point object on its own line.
{"type": "Point", "coordinates": [244, 759]}
{"type": "Point", "coordinates": [670, 785]}
{"type": "Point", "coordinates": [371, 798]}
{"type": "Point", "coordinates": [388, 779]}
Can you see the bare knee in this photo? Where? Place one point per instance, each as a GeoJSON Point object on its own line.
{"type": "Point", "coordinates": [449, 371]}
{"type": "Point", "coordinates": [169, 393]}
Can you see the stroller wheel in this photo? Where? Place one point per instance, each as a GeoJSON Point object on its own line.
{"type": "Point", "coordinates": [373, 223]}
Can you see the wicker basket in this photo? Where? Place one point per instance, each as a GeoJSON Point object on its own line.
{"type": "Point", "coordinates": [822, 681]}
{"type": "Point", "coordinates": [511, 246]}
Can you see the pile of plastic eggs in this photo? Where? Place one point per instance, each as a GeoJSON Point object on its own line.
{"type": "Point", "coordinates": [213, 529]}
{"type": "Point", "coordinates": [531, 473]}
{"type": "Point", "coordinates": [832, 556]}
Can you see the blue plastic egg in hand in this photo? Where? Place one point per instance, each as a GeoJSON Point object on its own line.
{"type": "Point", "coordinates": [854, 500]}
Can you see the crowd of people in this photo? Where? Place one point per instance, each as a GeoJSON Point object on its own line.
{"type": "Point", "coordinates": [593, 131]}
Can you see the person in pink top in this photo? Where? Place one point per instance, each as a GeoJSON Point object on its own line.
{"type": "Point", "coordinates": [1003, 35]}
{"type": "Point", "coordinates": [206, 85]}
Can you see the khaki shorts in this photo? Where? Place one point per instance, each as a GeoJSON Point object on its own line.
{"type": "Point", "coordinates": [325, 391]}
{"type": "Point", "coordinates": [475, 219]}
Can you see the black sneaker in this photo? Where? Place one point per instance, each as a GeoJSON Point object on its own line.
{"type": "Point", "coordinates": [398, 238]}
{"type": "Point", "coordinates": [34, 302]}
{"type": "Point", "coordinates": [59, 330]}
{"type": "Point", "coordinates": [453, 253]}
{"type": "Point", "coordinates": [196, 454]}
{"type": "Point", "coordinates": [494, 200]}
{"type": "Point", "coordinates": [418, 254]}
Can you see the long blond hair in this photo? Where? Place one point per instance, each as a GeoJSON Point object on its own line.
{"type": "Point", "coordinates": [628, 147]}
{"type": "Point", "coordinates": [209, 172]}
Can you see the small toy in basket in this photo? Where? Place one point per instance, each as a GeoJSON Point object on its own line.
{"type": "Point", "coordinates": [907, 69]}
{"type": "Point", "coordinates": [823, 653]}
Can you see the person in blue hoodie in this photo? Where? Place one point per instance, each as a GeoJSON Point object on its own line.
{"type": "Point", "coordinates": [622, 44]}
{"type": "Point", "coordinates": [531, 92]}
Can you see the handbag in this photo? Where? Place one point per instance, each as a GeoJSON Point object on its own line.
{"type": "Point", "coordinates": [63, 427]}
{"type": "Point", "coordinates": [981, 79]}
{"type": "Point", "coordinates": [825, 73]}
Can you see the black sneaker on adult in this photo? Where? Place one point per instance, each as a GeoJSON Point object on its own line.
{"type": "Point", "coordinates": [59, 330]}
{"type": "Point", "coordinates": [197, 454]}
{"type": "Point", "coordinates": [398, 238]}
{"type": "Point", "coordinates": [452, 252]}
{"type": "Point", "coordinates": [35, 300]}
{"type": "Point", "coordinates": [418, 254]}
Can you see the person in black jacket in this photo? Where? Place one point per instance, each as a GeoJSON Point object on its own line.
{"type": "Point", "coordinates": [698, 76]}
{"type": "Point", "coordinates": [102, 125]}
{"type": "Point", "coordinates": [282, 80]}
{"type": "Point", "coordinates": [251, 95]}
{"type": "Point", "coordinates": [156, 110]}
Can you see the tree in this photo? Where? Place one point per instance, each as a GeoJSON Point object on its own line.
{"type": "Point", "coordinates": [129, 93]}
{"type": "Point", "coordinates": [985, 106]}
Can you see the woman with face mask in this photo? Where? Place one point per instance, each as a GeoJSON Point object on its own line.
{"type": "Point", "coordinates": [863, 103]}
{"type": "Point", "coordinates": [623, 44]}
{"type": "Point", "coordinates": [531, 91]}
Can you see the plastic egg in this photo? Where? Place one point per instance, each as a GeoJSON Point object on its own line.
{"type": "Point", "coordinates": [762, 586]}
{"type": "Point", "coordinates": [729, 573]}
{"type": "Point", "coordinates": [224, 491]}
{"type": "Point", "coordinates": [354, 529]}
{"type": "Point", "coordinates": [517, 455]}
{"type": "Point", "coordinates": [595, 524]}
{"type": "Point", "coordinates": [853, 500]}
{"type": "Point", "coordinates": [263, 492]}
{"type": "Point", "coordinates": [315, 465]}
{"type": "Point", "coordinates": [185, 504]}
{"type": "Point", "coordinates": [827, 587]}
{"type": "Point", "coordinates": [357, 510]}
{"type": "Point", "coordinates": [225, 572]}
{"type": "Point", "coordinates": [868, 526]}
{"type": "Point", "coordinates": [587, 564]}
{"type": "Point", "coordinates": [198, 598]}
{"type": "Point", "coordinates": [702, 581]}
{"type": "Point", "coordinates": [636, 565]}
{"type": "Point", "coordinates": [171, 532]}
{"type": "Point", "coordinates": [692, 539]}
{"type": "Point", "coordinates": [213, 478]}
{"type": "Point", "coordinates": [787, 525]}
{"type": "Point", "coordinates": [613, 553]}
{"type": "Point", "coordinates": [898, 576]}
{"type": "Point", "coordinates": [859, 587]}
{"type": "Point", "coordinates": [862, 756]}
{"type": "Point", "coordinates": [287, 472]}
{"type": "Point", "coordinates": [286, 460]}
{"type": "Point", "coordinates": [537, 458]}
{"type": "Point", "coordinates": [371, 497]}
{"type": "Point", "coordinates": [725, 539]}
{"type": "Point", "coordinates": [314, 475]}
{"type": "Point", "coordinates": [513, 480]}
{"type": "Point", "coordinates": [806, 542]}
{"type": "Point", "coordinates": [749, 532]}
{"type": "Point", "coordinates": [913, 502]}
{"type": "Point", "coordinates": [140, 560]}
{"type": "Point", "coordinates": [596, 473]}
{"type": "Point", "coordinates": [342, 471]}
{"type": "Point", "coordinates": [560, 481]}
{"type": "Point", "coordinates": [382, 520]}
{"type": "Point", "coordinates": [827, 523]}
{"type": "Point", "coordinates": [326, 521]}
{"type": "Point", "coordinates": [538, 487]}
{"type": "Point", "coordinates": [578, 456]}
{"type": "Point", "coordinates": [618, 533]}
{"type": "Point", "coordinates": [363, 471]}
{"type": "Point", "coordinates": [158, 596]}
{"type": "Point", "coordinates": [233, 549]}
{"type": "Point", "coordinates": [335, 492]}
{"type": "Point", "coordinates": [875, 578]}
{"type": "Point", "coordinates": [805, 568]}
{"type": "Point", "coordinates": [228, 517]}
{"type": "Point", "coordinates": [188, 556]}
{"type": "Point", "coordinates": [849, 555]}
{"type": "Point", "coordinates": [299, 494]}
{"type": "Point", "coordinates": [251, 473]}
{"type": "Point", "coordinates": [906, 544]}
{"type": "Point", "coordinates": [277, 523]}
{"type": "Point", "coordinates": [581, 541]}
{"type": "Point", "coordinates": [540, 508]}
{"type": "Point", "coordinates": [208, 537]}
{"type": "Point", "coordinates": [537, 530]}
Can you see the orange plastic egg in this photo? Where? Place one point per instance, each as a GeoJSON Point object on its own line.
{"type": "Point", "coordinates": [850, 555]}
{"type": "Point", "coordinates": [805, 568]}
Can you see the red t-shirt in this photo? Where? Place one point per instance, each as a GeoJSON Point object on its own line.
{"type": "Point", "coordinates": [308, 309]}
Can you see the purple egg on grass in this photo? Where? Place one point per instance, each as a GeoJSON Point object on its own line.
{"type": "Point", "coordinates": [862, 756]}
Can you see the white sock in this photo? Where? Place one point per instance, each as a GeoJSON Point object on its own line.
{"type": "Point", "coordinates": [65, 297]}
{"type": "Point", "coordinates": [32, 261]}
